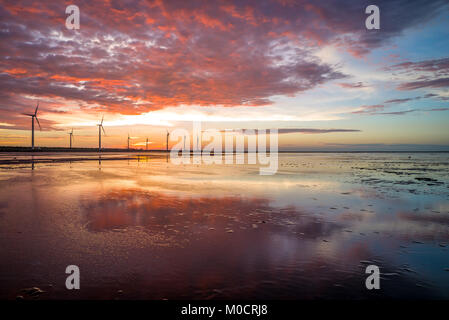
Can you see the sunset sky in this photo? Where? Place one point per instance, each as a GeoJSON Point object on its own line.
{"type": "Point", "coordinates": [308, 66]}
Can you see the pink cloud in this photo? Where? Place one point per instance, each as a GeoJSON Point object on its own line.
{"type": "Point", "coordinates": [134, 56]}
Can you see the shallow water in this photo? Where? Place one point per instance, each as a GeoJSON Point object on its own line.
{"type": "Point", "coordinates": [156, 230]}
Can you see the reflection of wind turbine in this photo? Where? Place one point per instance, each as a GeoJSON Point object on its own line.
{"type": "Point", "coordinates": [168, 135]}
{"type": "Point", "coordinates": [33, 115]}
{"type": "Point", "coordinates": [71, 138]}
{"type": "Point", "coordinates": [100, 127]}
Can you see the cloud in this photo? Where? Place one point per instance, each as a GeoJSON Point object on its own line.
{"type": "Point", "coordinates": [432, 73]}
{"type": "Point", "coordinates": [434, 65]}
{"type": "Point", "coordinates": [146, 56]}
{"type": "Point", "coordinates": [398, 113]}
{"type": "Point", "coordinates": [139, 144]}
{"type": "Point", "coordinates": [426, 96]}
{"type": "Point", "coordinates": [436, 96]}
{"type": "Point", "coordinates": [404, 112]}
{"type": "Point", "coordinates": [402, 100]}
{"type": "Point", "coordinates": [314, 131]}
{"type": "Point", "coordinates": [401, 147]}
{"type": "Point", "coordinates": [137, 56]}
{"type": "Point", "coordinates": [434, 83]}
{"type": "Point", "coordinates": [377, 109]}
{"type": "Point", "coordinates": [356, 85]}
{"type": "Point", "coordinates": [299, 130]}
{"type": "Point", "coordinates": [369, 109]}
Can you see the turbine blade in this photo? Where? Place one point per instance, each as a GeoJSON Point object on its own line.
{"type": "Point", "coordinates": [35, 111]}
{"type": "Point", "coordinates": [103, 130]}
{"type": "Point", "coordinates": [38, 124]}
{"type": "Point", "coordinates": [28, 114]}
{"type": "Point", "coordinates": [102, 118]}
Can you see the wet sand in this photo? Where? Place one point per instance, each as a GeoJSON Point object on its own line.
{"type": "Point", "coordinates": [15, 158]}
{"type": "Point", "coordinates": [143, 228]}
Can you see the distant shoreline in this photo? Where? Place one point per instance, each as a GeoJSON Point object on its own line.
{"type": "Point", "coordinates": [6, 149]}
{"type": "Point", "coordinates": [60, 149]}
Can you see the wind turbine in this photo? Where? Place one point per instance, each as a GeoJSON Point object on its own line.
{"type": "Point", "coordinates": [128, 141]}
{"type": "Point", "coordinates": [33, 115]}
{"type": "Point", "coordinates": [71, 138]}
{"type": "Point", "coordinates": [100, 127]}
{"type": "Point", "coordinates": [168, 135]}
{"type": "Point", "coordinates": [146, 145]}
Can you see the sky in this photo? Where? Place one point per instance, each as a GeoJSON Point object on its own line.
{"type": "Point", "coordinates": [308, 68]}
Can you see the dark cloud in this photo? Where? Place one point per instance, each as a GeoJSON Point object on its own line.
{"type": "Point", "coordinates": [440, 66]}
{"type": "Point", "coordinates": [436, 96]}
{"type": "Point", "coordinates": [428, 83]}
{"type": "Point", "coordinates": [402, 100]}
{"type": "Point", "coordinates": [312, 131]}
{"type": "Point", "coordinates": [398, 113]}
{"type": "Point", "coordinates": [428, 74]}
{"type": "Point", "coordinates": [299, 130]}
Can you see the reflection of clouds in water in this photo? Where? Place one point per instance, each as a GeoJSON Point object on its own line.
{"type": "Point", "coordinates": [289, 253]}
{"type": "Point", "coordinates": [123, 208]}
{"type": "Point", "coordinates": [432, 217]}
{"type": "Point", "coordinates": [3, 207]}
{"type": "Point", "coordinates": [172, 225]}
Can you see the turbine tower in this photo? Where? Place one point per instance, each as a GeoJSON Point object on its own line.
{"type": "Point", "coordinates": [33, 115]}
{"type": "Point", "coordinates": [128, 141]}
{"type": "Point", "coordinates": [100, 127]}
{"type": "Point", "coordinates": [71, 138]}
{"type": "Point", "coordinates": [168, 135]}
{"type": "Point", "coordinates": [146, 145]}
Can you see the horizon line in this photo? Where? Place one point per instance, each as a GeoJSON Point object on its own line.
{"type": "Point", "coordinates": [93, 149]}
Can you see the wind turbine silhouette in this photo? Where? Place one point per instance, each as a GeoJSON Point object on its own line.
{"type": "Point", "coordinates": [168, 135]}
{"type": "Point", "coordinates": [33, 115]}
{"type": "Point", "coordinates": [71, 138]}
{"type": "Point", "coordinates": [146, 145]}
{"type": "Point", "coordinates": [128, 141]}
{"type": "Point", "coordinates": [100, 127]}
